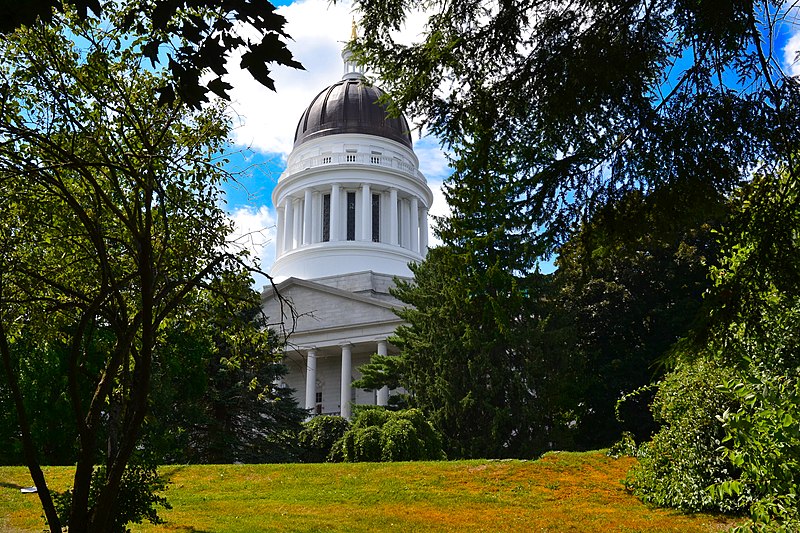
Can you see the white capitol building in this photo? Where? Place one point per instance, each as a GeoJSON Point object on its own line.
{"type": "Point", "coordinates": [352, 213]}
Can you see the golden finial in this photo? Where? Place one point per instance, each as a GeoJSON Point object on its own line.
{"type": "Point", "coordinates": [354, 31]}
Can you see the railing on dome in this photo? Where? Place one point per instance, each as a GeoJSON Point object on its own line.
{"type": "Point", "coordinates": [393, 163]}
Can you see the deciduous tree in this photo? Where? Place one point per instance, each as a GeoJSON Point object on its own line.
{"type": "Point", "coordinates": [191, 37]}
{"type": "Point", "coordinates": [111, 218]}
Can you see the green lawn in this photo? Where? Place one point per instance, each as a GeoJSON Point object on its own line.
{"type": "Point", "coordinates": [560, 492]}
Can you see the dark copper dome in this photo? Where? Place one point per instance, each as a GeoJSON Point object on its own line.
{"type": "Point", "coordinates": [350, 106]}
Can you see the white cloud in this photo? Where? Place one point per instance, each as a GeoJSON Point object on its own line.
{"type": "Point", "coordinates": [790, 51]}
{"type": "Point", "coordinates": [254, 230]}
{"type": "Point", "coordinates": [266, 120]}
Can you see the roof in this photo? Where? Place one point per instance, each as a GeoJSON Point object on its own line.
{"type": "Point", "coordinates": [350, 106]}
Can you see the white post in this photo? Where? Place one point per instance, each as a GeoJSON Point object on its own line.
{"type": "Point", "coordinates": [405, 224]}
{"type": "Point", "coordinates": [383, 393]}
{"type": "Point", "coordinates": [414, 224]}
{"type": "Point", "coordinates": [297, 232]}
{"type": "Point", "coordinates": [334, 221]}
{"type": "Point", "coordinates": [308, 204]}
{"type": "Point", "coordinates": [311, 380]}
{"type": "Point", "coordinates": [347, 365]}
{"type": "Point", "coordinates": [316, 218]}
{"type": "Point", "coordinates": [288, 225]}
{"type": "Point", "coordinates": [423, 235]}
{"type": "Point", "coordinates": [366, 213]}
{"type": "Point", "coordinates": [393, 216]}
{"type": "Point", "coordinates": [279, 231]}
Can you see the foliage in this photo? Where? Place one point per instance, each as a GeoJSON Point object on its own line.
{"type": "Point", "coordinates": [561, 109]}
{"type": "Point", "coordinates": [190, 37]}
{"type": "Point", "coordinates": [137, 500]}
{"type": "Point", "coordinates": [473, 363]}
{"type": "Point", "coordinates": [110, 220]}
{"type": "Point", "coordinates": [381, 435]}
{"type": "Point", "coordinates": [686, 456]}
{"type": "Point", "coordinates": [319, 435]}
{"type": "Point", "coordinates": [217, 396]}
{"type": "Point", "coordinates": [758, 287]}
{"type": "Point", "coordinates": [629, 285]}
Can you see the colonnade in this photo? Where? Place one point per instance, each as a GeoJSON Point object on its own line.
{"type": "Point", "coordinates": [302, 219]}
{"type": "Point", "coordinates": [346, 381]}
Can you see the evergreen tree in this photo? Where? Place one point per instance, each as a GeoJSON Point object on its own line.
{"type": "Point", "coordinates": [473, 363]}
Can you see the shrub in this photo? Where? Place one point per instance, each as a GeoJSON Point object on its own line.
{"type": "Point", "coordinates": [381, 435]}
{"type": "Point", "coordinates": [318, 437]}
{"type": "Point", "coordinates": [685, 456]}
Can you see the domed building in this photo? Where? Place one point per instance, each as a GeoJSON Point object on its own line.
{"type": "Point", "coordinates": [352, 213]}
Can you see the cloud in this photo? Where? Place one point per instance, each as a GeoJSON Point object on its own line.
{"type": "Point", "coordinates": [790, 51]}
{"type": "Point", "coordinates": [254, 229]}
{"type": "Point", "coordinates": [266, 120]}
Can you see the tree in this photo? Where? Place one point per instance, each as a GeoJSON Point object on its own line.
{"type": "Point", "coordinates": [627, 289]}
{"type": "Point", "coordinates": [191, 37]}
{"type": "Point", "coordinates": [217, 395]}
{"type": "Point", "coordinates": [566, 107]}
{"type": "Point", "coordinates": [757, 320]}
{"type": "Point", "coordinates": [473, 363]}
{"type": "Point", "coordinates": [110, 220]}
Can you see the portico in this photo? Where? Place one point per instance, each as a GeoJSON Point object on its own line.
{"type": "Point", "coordinates": [347, 319]}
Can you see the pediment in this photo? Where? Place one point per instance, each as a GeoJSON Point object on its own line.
{"type": "Point", "coordinates": [320, 307]}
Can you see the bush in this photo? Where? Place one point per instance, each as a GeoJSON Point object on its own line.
{"type": "Point", "coordinates": [318, 437]}
{"type": "Point", "coordinates": [685, 456]}
{"type": "Point", "coordinates": [381, 435]}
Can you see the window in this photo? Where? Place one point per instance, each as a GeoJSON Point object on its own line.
{"type": "Point", "coordinates": [376, 218]}
{"type": "Point", "coordinates": [351, 216]}
{"type": "Point", "coordinates": [350, 156]}
{"type": "Point", "coordinates": [319, 398]}
{"type": "Point", "coordinates": [326, 217]}
{"type": "Point", "coordinates": [375, 158]}
{"type": "Point", "coordinates": [326, 160]}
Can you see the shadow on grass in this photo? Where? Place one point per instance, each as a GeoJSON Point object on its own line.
{"type": "Point", "coordinates": [10, 485]}
{"type": "Point", "coordinates": [187, 529]}
{"type": "Point", "coordinates": [166, 472]}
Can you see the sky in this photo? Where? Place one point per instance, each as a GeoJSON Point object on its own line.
{"type": "Point", "coordinates": [264, 121]}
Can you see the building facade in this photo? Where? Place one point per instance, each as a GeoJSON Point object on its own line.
{"type": "Point", "coordinates": [352, 213]}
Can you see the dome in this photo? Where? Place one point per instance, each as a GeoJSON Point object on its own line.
{"type": "Point", "coordinates": [350, 106]}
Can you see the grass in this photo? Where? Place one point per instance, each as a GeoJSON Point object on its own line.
{"type": "Point", "coordinates": [560, 492]}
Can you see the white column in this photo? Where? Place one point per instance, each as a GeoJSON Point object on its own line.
{"type": "Point", "coordinates": [334, 222]}
{"type": "Point", "coordinates": [297, 231]}
{"type": "Point", "coordinates": [413, 220]}
{"type": "Point", "coordinates": [279, 231]}
{"type": "Point", "coordinates": [288, 224]}
{"type": "Point", "coordinates": [316, 218]}
{"type": "Point", "coordinates": [405, 224]}
{"type": "Point", "coordinates": [366, 213]}
{"type": "Point", "coordinates": [347, 386]}
{"type": "Point", "coordinates": [308, 204]}
{"type": "Point", "coordinates": [311, 380]}
{"type": "Point", "coordinates": [392, 216]}
{"type": "Point", "coordinates": [383, 394]}
{"type": "Point", "coordinates": [423, 234]}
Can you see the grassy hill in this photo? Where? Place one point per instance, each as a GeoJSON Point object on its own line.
{"type": "Point", "coordinates": [560, 492]}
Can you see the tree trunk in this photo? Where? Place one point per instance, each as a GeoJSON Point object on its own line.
{"type": "Point", "coordinates": [28, 447]}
